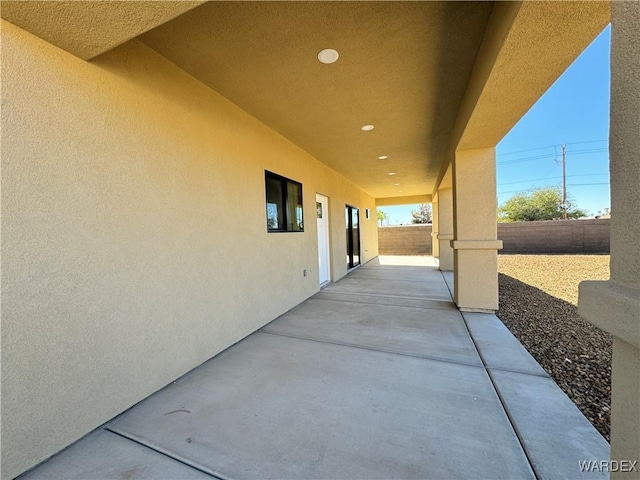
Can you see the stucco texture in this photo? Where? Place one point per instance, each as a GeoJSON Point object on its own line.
{"type": "Point", "coordinates": [134, 239]}
{"type": "Point", "coordinates": [614, 305]}
{"type": "Point", "coordinates": [89, 28]}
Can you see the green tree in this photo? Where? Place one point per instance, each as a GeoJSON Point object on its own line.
{"type": "Point", "coordinates": [422, 215]}
{"type": "Point", "coordinates": [382, 216]}
{"type": "Point", "coordinates": [537, 204]}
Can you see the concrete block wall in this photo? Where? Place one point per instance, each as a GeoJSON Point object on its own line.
{"type": "Point", "coordinates": [556, 236]}
{"type": "Point", "coordinates": [405, 240]}
{"type": "Point", "coordinates": [553, 236]}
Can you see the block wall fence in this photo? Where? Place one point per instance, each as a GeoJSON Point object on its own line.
{"type": "Point", "coordinates": [552, 236]}
{"type": "Point", "coordinates": [404, 240]}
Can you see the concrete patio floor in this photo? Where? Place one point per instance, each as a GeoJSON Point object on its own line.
{"type": "Point", "coordinates": [376, 376]}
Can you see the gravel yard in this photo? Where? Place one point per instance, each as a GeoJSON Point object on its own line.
{"type": "Point", "coordinates": [538, 303]}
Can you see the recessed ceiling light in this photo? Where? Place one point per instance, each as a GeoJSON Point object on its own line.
{"type": "Point", "coordinates": [367, 128]}
{"type": "Point", "coordinates": [383, 157]}
{"type": "Point", "coordinates": [392, 173]}
{"type": "Point", "coordinates": [396, 184]}
{"type": "Point", "coordinates": [328, 55]}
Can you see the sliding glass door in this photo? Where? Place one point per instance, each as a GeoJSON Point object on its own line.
{"type": "Point", "coordinates": [352, 218]}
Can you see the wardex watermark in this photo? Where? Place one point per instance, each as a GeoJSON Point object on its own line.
{"type": "Point", "coordinates": [608, 465]}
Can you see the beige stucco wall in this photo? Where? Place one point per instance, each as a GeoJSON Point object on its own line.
{"type": "Point", "coordinates": [475, 245]}
{"type": "Point", "coordinates": [134, 241]}
{"type": "Point", "coordinates": [614, 305]}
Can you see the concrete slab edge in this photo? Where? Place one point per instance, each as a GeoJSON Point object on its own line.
{"type": "Point", "coordinates": [372, 349]}
{"type": "Point", "coordinates": [502, 403]}
{"type": "Point", "coordinates": [167, 453]}
{"type": "Point", "coordinates": [524, 353]}
{"type": "Point", "coordinates": [378, 295]}
{"type": "Point", "coordinates": [515, 428]}
{"type": "Point", "coordinates": [436, 307]}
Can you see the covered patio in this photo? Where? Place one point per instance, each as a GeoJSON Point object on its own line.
{"type": "Point", "coordinates": [378, 375]}
{"type": "Point", "coordinates": [177, 175]}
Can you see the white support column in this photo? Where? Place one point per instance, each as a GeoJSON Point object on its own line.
{"type": "Point", "coordinates": [614, 305]}
{"type": "Point", "coordinates": [435, 244]}
{"type": "Point", "coordinates": [445, 228]}
{"type": "Point", "coordinates": [475, 245]}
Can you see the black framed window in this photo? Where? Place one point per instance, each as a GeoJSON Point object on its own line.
{"type": "Point", "coordinates": [284, 204]}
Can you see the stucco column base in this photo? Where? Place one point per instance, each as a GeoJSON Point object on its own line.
{"type": "Point", "coordinates": [615, 308]}
{"type": "Point", "coordinates": [625, 412]}
{"type": "Point", "coordinates": [475, 280]}
{"type": "Point", "coordinates": [446, 252]}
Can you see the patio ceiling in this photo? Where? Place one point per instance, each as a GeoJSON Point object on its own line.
{"type": "Point", "coordinates": [403, 67]}
{"type": "Point", "coordinates": [430, 76]}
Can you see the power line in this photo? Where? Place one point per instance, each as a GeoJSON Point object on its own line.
{"type": "Point", "coordinates": [562, 161]}
{"type": "Point", "coordinates": [585, 184]}
{"type": "Point", "coordinates": [527, 181]}
{"type": "Point", "coordinates": [551, 146]}
{"type": "Point", "coordinates": [541, 157]}
{"type": "Point", "coordinates": [525, 159]}
{"type": "Point", "coordinates": [582, 152]}
{"type": "Point", "coordinates": [568, 185]}
{"type": "Point", "coordinates": [555, 177]}
{"type": "Point", "coordinates": [554, 155]}
{"type": "Point", "coordinates": [588, 175]}
{"type": "Point", "coordinates": [526, 151]}
{"type": "Point", "coordinates": [516, 191]}
{"type": "Point", "coordinates": [588, 141]}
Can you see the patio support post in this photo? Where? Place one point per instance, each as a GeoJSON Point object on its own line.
{"type": "Point", "coordinates": [435, 244]}
{"type": "Point", "coordinates": [445, 227]}
{"type": "Point", "coordinates": [614, 305]}
{"type": "Point", "coordinates": [475, 244]}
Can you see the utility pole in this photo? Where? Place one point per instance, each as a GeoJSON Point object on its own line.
{"type": "Point", "coordinates": [564, 184]}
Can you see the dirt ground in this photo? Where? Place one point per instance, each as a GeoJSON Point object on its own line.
{"type": "Point", "coordinates": [538, 303]}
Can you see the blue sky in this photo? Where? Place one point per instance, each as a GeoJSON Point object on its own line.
{"type": "Point", "coordinates": [574, 112]}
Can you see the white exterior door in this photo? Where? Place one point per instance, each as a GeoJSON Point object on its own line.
{"type": "Point", "coordinates": [322, 207]}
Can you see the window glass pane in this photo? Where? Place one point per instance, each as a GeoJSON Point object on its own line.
{"type": "Point", "coordinates": [294, 207]}
{"type": "Point", "coordinates": [275, 208]}
{"type": "Point", "coordinates": [284, 204]}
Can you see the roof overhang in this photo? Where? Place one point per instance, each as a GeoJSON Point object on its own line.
{"type": "Point", "coordinates": [410, 200]}
{"type": "Point", "coordinates": [527, 47]}
{"type": "Point", "coordinates": [88, 28]}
